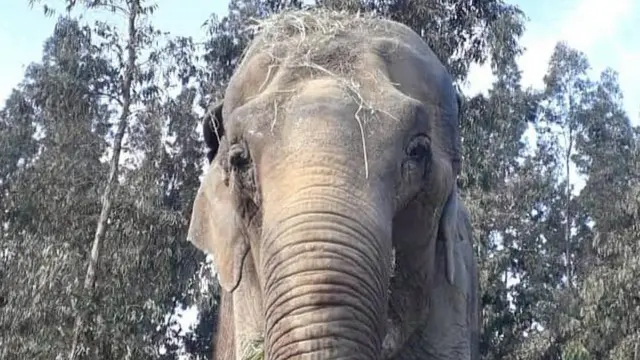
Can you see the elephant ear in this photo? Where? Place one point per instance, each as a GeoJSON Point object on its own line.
{"type": "Point", "coordinates": [213, 130]}
{"type": "Point", "coordinates": [448, 231]}
{"type": "Point", "coordinates": [451, 216]}
{"type": "Point", "coordinates": [216, 227]}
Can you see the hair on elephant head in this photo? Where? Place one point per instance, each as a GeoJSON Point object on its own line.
{"type": "Point", "coordinates": [330, 205]}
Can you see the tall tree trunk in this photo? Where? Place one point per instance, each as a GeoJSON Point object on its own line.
{"type": "Point", "coordinates": [567, 229]}
{"type": "Point", "coordinates": [112, 181]}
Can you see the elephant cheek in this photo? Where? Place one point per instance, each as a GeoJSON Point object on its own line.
{"type": "Point", "coordinates": [326, 266]}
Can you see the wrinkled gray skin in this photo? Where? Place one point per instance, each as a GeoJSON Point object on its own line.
{"type": "Point", "coordinates": [303, 234]}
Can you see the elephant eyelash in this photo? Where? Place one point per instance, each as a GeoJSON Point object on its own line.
{"type": "Point", "coordinates": [415, 166]}
{"type": "Point", "coordinates": [419, 148]}
{"type": "Point", "coordinates": [240, 176]}
{"type": "Point", "coordinates": [418, 152]}
{"type": "Point", "coordinates": [238, 155]}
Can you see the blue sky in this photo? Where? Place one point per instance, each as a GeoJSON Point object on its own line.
{"type": "Point", "coordinates": [606, 32]}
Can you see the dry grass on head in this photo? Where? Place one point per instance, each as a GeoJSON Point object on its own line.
{"type": "Point", "coordinates": [254, 350]}
{"type": "Point", "coordinates": [300, 39]}
{"type": "Point", "coordinates": [309, 29]}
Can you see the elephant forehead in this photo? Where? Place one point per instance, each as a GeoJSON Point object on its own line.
{"type": "Point", "coordinates": [369, 54]}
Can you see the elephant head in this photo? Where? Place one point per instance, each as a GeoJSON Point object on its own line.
{"type": "Point", "coordinates": [334, 155]}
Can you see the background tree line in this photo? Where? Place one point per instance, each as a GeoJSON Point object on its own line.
{"type": "Point", "coordinates": [101, 155]}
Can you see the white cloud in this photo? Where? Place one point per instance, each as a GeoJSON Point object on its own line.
{"type": "Point", "coordinates": [592, 21]}
{"type": "Point", "coordinates": [587, 26]}
{"type": "Point", "coordinates": [479, 79]}
{"type": "Point", "coordinates": [628, 66]}
{"type": "Point", "coordinates": [588, 23]}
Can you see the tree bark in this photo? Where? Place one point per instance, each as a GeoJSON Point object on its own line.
{"type": "Point", "coordinates": [112, 181]}
{"type": "Point", "coordinates": [567, 229]}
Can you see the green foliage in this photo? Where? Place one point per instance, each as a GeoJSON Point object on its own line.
{"type": "Point", "coordinates": [52, 203]}
{"type": "Point", "coordinates": [72, 100]}
{"type": "Point", "coordinates": [575, 351]}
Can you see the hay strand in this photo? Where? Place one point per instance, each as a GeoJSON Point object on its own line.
{"type": "Point", "coordinates": [254, 350]}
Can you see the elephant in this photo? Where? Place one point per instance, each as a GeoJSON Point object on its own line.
{"type": "Point", "coordinates": [330, 205]}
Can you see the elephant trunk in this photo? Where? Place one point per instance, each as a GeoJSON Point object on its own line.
{"type": "Point", "coordinates": [326, 264]}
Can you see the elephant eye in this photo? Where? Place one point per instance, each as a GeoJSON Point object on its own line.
{"type": "Point", "coordinates": [238, 155]}
{"type": "Point", "coordinates": [416, 166]}
{"type": "Point", "coordinates": [419, 149]}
